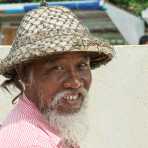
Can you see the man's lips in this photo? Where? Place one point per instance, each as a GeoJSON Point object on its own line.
{"type": "Point", "coordinates": [71, 99]}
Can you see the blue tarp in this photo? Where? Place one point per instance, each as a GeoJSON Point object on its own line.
{"type": "Point", "coordinates": [25, 7]}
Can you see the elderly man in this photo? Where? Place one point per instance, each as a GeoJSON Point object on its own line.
{"type": "Point", "coordinates": [50, 62]}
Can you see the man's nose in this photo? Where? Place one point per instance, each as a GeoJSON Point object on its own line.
{"type": "Point", "coordinates": [73, 83]}
{"type": "Point", "coordinates": [73, 80]}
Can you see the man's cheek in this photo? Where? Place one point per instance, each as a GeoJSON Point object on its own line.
{"type": "Point", "coordinates": [87, 84]}
{"type": "Point", "coordinates": [48, 95]}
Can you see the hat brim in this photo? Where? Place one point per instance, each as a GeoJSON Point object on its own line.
{"type": "Point", "coordinates": [100, 53]}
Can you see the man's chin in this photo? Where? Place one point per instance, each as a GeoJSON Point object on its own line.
{"type": "Point", "coordinates": [72, 126]}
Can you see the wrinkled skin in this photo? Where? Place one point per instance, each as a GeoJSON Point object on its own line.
{"type": "Point", "coordinates": [45, 78]}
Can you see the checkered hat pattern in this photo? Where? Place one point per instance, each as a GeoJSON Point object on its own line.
{"type": "Point", "coordinates": [52, 30]}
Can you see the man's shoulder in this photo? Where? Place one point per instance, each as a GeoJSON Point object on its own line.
{"type": "Point", "coordinates": [22, 130]}
{"type": "Point", "coordinates": [23, 133]}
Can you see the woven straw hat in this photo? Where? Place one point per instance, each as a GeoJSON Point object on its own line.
{"type": "Point", "coordinates": [52, 30]}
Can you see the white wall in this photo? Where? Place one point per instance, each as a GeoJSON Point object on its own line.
{"type": "Point", "coordinates": [118, 100]}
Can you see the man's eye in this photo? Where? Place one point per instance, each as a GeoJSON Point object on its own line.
{"type": "Point", "coordinates": [59, 68]}
{"type": "Point", "coordinates": [84, 66]}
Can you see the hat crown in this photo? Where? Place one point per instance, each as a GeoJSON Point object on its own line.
{"type": "Point", "coordinates": [47, 21]}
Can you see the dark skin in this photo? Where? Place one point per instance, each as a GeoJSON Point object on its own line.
{"type": "Point", "coordinates": [51, 75]}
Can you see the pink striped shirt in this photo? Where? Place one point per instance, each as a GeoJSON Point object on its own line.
{"type": "Point", "coordinates": [25, 127]}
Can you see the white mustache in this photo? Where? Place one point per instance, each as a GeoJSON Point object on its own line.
{"type": "Point", "coordinates": [60, 95]}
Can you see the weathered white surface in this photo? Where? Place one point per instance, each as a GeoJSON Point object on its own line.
{"type": "Point", "coordinates": [118, 101]}
{"type": "Point", "coordinates": [120, 96]}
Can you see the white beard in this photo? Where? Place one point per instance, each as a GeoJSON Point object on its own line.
{"type": "Point", "coordinates": [71, 126]}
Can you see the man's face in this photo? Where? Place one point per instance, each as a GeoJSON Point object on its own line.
{"type": "Point", "coordinates": [59, 82]}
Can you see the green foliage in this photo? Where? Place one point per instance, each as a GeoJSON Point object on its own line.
{"type": "Point", "coordinates": [135, 6]}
